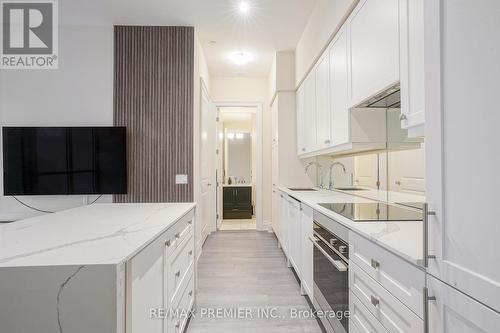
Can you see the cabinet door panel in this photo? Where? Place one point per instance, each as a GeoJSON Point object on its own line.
{"type": "Point", "coordinates": [412, 62]}
{"type": "Point", "coordinates": [454, 312]}
{"type": "Point", "coordinates": [301, 144]}
{"type": "Point", "coordinates": [306, 231]}
{"type": "Point", "coordinates": [374, 41]}
{"type": "Point", "coordinates": [339, 90]}
{"type": "Point", "coordinates": [294, 234]}
{"type": "Point", "coordinates": [310, 134]}
{"type": "Point", "coordinates": [462, 190]}
{"type": "Point", "coordinates": [323, 118]}
{"type": "Point", "coordinates": [144, 274]}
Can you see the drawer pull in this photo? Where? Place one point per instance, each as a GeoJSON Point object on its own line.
{"type": "Point", "coordinates": [178, 273]}
{"type": "Point", "coordinates": [190, 252]}
{"type": "Point", "coordinates": [167, 243]}
{"type": "Point", "coordinates": [190, 222]}
{"type": "Point", "coordinates": [178, 324]}
{"type": "Point", "coordinates": [375, 264]}
{"type": "Point", "coordinates": [190, 293]}
{"type": "Point", "coordinates": [177, 235]}
{"type": "Point", "coordinates": [374, 300]}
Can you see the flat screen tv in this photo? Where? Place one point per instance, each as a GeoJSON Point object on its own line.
{"type": "Point", "coordinates": [64, 160]}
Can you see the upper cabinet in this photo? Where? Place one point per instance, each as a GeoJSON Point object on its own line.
{"type": "Point", "coordinates": [323, 118]}
{"type": "Point", "coordinates": [299, 102]}
{"type": "Point", "coordinates": [374, 48]}
{"type": "Point", "coordinates": [411, 18]}
{"type": "Point", "coordinates": [339, 97]}
{"type": "Point", "coordinates": [309, 114]}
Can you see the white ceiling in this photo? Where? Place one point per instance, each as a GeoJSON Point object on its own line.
{"type": "Point", "coordinates": [269, 26]}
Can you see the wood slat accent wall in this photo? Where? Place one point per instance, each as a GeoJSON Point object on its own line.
{"type": "Point", "coordinates": [153, 98]}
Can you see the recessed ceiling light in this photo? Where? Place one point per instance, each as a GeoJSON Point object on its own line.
{"type": "Point", "coordinates": [243, 7]}
{"type": "Point", "coordinates": [240, 58]}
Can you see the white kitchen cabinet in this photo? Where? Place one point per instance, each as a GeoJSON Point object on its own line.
{"type": "Point", "coordinates": [339, 95]}
{"type": "Point", "coordinates": [284, 225]}
{"type": "Point", "coordinates": [323, 114]}
{"type": "Point", "coordinates": [462, 152]}
{"type": "Point", "coordinates": [411, 57]}
{"type": "Point", "coordinates": [144, 281]}
{"type": "Point", "coordinates": [451, 311]}
{"type": "Point", "coordinates": [294, 250]}
{"type": "Point", "coordinates": [301, 144]}
{"type": "Point", "coordinates": [309, 113]}
{"type": "Point", "coordinates": [374, 48]}
{"type": "Point", "coordinates": [306, 231]}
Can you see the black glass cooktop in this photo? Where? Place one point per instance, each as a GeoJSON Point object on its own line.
{"type": "Point", "coordinates": [374, 211]}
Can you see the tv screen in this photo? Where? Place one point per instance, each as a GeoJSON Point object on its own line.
{"type": "Point", "coordinates": [64, 160]}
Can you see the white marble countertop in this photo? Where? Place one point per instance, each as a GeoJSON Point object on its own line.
{"type": "Point", "coordinates": [237, 185]}
{"type": "Point", "coordinates": [94, 234]}
{"type": "Point", "coordinates": [401, 238]}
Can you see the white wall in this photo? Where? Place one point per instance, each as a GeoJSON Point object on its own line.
{"type": "Point", "coordinates": [251, 89]}
{"type": "Point", "coordinates": [80, 92]}
{"type": "Point", "coordinates": [325, 19]}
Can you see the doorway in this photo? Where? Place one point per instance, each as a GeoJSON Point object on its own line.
{"type": "Point", "coordinates": [239, 166]}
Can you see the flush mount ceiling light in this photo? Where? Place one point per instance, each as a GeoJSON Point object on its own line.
{"type": "Point", "coordinates": [240, 58]}
{"type": "Point", "coordinates": [243, 7]}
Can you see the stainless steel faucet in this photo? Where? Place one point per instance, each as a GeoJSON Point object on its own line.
{"type": "Point", "coordinates": [310, 164]}
{"type": "Point", "coordinates": [330, 183]}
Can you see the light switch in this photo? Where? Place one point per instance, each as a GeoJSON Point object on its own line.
{"type": "Point", "coordinates": [181, 179]}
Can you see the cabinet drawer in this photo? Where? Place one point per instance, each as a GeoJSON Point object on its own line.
{"type": "Point", "coordinates": [179, 268]}
{"type": "Point", "coordinates": [388, 310]}
{"type": "Point", "coordinates": [181, 230]}
{"type": "Point", "coordinates": [403, 280]}
{"type": "Point", "coordinates": [176, 323]}
{"type": "Point", "coordinates": [360, 319]}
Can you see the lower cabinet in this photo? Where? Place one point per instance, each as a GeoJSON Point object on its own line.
{"type": "Point", "coordinates": [306, 231]}
{"type": "Point", "coordinates": [161, 278]}
{"type": "Point", "coordinates": [451, 311]}
{"type": "Point", "coordinates": [294, 251]}
{"type": "Point", "coordinates": [237, 202]}
{"type": "Point", "coordinates": [284, 225]}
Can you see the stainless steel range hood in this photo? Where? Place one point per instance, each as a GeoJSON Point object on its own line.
{"type": "Point", "coordinates": [389, 98]}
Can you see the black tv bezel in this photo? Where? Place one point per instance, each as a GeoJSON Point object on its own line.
{"type": "Point", "coordinates": [125, 166]}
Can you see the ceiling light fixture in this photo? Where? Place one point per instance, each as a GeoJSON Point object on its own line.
{"type": "Point", "coordinates": [244, 7]}
{"type": "Point", "coordinates": [240, 135]}
{"type": "Point", "coordinates": [240, 58]}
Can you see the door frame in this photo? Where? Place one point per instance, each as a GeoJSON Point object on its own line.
{"type": "Point", "coordinates": [258, 155]}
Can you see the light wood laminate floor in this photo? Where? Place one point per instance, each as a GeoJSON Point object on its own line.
{"type": "Point", "coordinates": [246, 270]}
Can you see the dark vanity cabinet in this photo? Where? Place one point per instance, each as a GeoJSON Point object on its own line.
{"type": "Point", "coordinates": [237, 202]}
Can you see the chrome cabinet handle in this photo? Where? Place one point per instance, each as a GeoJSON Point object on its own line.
{"type": "Point", "coordinates": [190, 222]}
{"type": "Point", "coordinates": [426, 300]}
{"type": "Point", "coordinates": [374, 300]}
{"type": "Point", "coordinates": [190, 252]}
{"type": "Point", "coordinates": [177, 235]}
{"type": "Point", "coordinates": [178, 273]}
{"type": "Point", "coordinates": [178, 324]}
{"type": "Point", "coordinates": [327, 142]}
{"type": "Point", "coordinates": [190, 293]}
{"type": "Point", "coordinates": [167, 243]}
{"type": "Point", "coordinates": [425, 224]}
{"type": "Point", "coordinates": [375, 264]}
{"type": "Point", "coordinates": [303, 149]}
{"type": "Point", "coordinates": [340, 266]}
{"type": "Point", "coordinates": [402, 116]}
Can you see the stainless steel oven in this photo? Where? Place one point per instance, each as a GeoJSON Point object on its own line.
{"type": "Point", "coordinates": [331, 276]}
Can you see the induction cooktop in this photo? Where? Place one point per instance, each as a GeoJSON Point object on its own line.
{"type": "Point", "coordinates": [374, 211]}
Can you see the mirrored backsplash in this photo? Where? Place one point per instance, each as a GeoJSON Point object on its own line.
{"type": "Point", "coordinates": [395, 174]}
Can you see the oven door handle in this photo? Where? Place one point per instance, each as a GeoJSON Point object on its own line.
{"type": "Point", "coordinates": [339, 265]}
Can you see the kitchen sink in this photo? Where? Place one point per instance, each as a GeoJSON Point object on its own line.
{"type": "Point", "coordinates": [301, 189]}
{"type": "Point", "coordinates": [349, 189]}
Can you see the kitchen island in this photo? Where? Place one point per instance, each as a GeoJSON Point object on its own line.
{"type": "Point", "coordinates": [98, 268]}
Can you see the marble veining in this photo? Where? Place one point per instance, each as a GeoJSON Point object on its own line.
{"type": "Point", "coordinates": [59, 294]}
{"type": "Point", "coordinates": [100, 233]}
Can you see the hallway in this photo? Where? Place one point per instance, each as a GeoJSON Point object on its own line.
{"type": "Point", "coordinates": [246, 270]}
